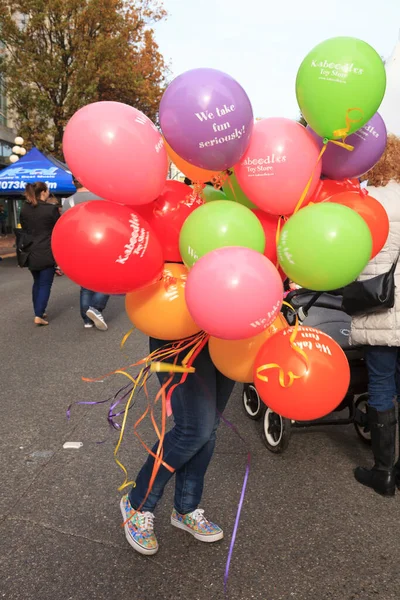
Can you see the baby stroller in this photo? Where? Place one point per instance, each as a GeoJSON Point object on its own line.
{"type": "Point", "coordinates": [323, 311]}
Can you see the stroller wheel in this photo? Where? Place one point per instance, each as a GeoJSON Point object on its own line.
{"type": "Point", "coordinates": [361, 428]}
{"type": "Point", "coordinates": [252, 403]}
{"type": "Point", "coordinates": [276, 432]}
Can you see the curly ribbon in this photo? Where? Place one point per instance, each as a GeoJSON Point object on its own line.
{"type": "Point", "coordinates": [344, 132]}
{"type": "Point", "coordinates": [291, 376]}
{"type": "Point", "coordinates": [152, 363]}
{"type": "Point", "coordinates": [219, 180]}
{"type": "Point", "coordinates": [338, 133]}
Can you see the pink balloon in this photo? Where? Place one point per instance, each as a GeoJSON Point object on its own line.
{"type": "Point", "coordinates": [116, 152]}
{"type": "Point", "coordinates": [274, 171]}
{"type": "Point", "coordinates": [234, 293]}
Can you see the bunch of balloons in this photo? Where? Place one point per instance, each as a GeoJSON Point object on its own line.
{"type": "Point", "coordinates": [211, 257]}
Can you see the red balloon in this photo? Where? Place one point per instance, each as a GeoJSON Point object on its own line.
{"type": "Point", "coordinates": [371, 211]}
{"type": "Point", "coordinates": [270, 226]}
{"type": "Point", "coordinates": [321, 387]}
{"type": "Point", "coordinates": [106, 247]}
{"type": "Point", "coordinates": [167, 214]}
{"type": "Point", "coordinates": [329, 187]}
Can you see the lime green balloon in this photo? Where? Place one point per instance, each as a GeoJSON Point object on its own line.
{"type": "Point", "coordinates": [234, 193]}
{"type": "Point", "coordinates": [216, 225]}
{"type": "Point", "coordinates": [324, 246]}
{"type": "Point", "coordinates": [341, 78]}
{"type": "Point", "coordinates": [209, 194]}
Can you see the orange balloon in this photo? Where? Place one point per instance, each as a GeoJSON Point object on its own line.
{"type": "Point", "coordinates": [160, 310]}
{"type": "Point", "coordinates": [323, 378]}
{"type": "Point", "coordinates": [235, 358]}
{"type": "Point", "coordinates": [371, 211]}
{"type": "Point", "coordinates": [193, 173]}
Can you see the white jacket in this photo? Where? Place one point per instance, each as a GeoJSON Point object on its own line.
{"type": "Point", "coordinates": [382, 328]}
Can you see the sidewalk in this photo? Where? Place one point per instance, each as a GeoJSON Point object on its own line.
{"type": "Point", "coordinates": [7, 245]}
{"type": "Point", "coordinates": [307, 531]}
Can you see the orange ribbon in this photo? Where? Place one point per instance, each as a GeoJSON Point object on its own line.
{"type": "Point", "coordinates": [291, 376]}
{"type": "Point", "coordinates": [344, 132]}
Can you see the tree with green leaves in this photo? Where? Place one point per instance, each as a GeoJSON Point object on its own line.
{"type": "Point", "coordinates": [59, 55]}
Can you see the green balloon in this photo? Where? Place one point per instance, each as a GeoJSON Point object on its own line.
{"type": "Point", "coordinates": [324, 246]}
{"type": "Point", "coordinates": [209, 194]}
{"type": "Point", "coordinates": [341, 78]}
{"type": "Point", "coordinates": [216, 225]}
{"type": "Point", "coordinates": [234, 193]}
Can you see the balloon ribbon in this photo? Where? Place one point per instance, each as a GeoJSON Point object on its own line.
{"type": "Point", "coordinates": [338, 133]}
{"type": "Point", "coordinates": [291, 376]}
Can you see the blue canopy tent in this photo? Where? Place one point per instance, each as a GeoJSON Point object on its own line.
{"type": "Point", "coordinates": [34, 166]}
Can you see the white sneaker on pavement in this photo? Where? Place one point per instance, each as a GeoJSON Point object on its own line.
{"type": "Point", "coordinates": [97, 318]}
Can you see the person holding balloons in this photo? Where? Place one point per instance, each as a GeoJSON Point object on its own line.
{"type": "Point", "coordinates": [379, 332]}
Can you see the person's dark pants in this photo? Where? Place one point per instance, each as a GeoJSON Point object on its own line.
{"type": "Point", "coordinates": [3, 228]}
{"type": "Point", "coordinates": [189, 445]}
{"type": "Point", "coordinates": [42, 282]}
{"type": "Point", "coordinates": [383, 363]}
{"type": "Point", "coordinates": [92, 299]}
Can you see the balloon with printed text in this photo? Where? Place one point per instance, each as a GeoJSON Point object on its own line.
{"type": "Point", "coordinates": [324, 246]}
{"type": "Point", "coordinates": [192, 172]}
{"type": "Point", "coordinates": [278, 164]}
{"type": "Point", "coordinates": [320, 368]}
{"type": "Point", "coordinates": [235, 358]}
{"type": "Point", "coordinates": [106, 247]}
{"type": "Point", "coordinates": [368, 145]}
{"type": "Point", "coordinates": [339, 86]}
{"type": "Point", "coordinates": [116, 152]}
{"type": "Point", "coordinates": [160, 310]}
{"type": "Point", "coordinates": [207, 119]}
{"type": "Point", "coordinates": [218, 224]}
{"type": "Point", "coordinates": [167, 214]}
{"type": "Point", "coordinates": [234, 293]}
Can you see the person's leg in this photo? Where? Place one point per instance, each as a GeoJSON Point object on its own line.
{"type": "Point", "coordinates": [190, 477]}
{"type": "Point", "coordinates": [382, 369]}
{"type": "Point", "coordinates": [99, 301]}
{"type": "Point", "coordinates": [35, 287]}
{"type": "Point", "coordinates": [44, 283]}
{"type": "Point", "coordinates": [194, 413]}
{"type": "Point", "coordinates": [85, 302]}
{"type": "Point", "coordinates": [95, 311]}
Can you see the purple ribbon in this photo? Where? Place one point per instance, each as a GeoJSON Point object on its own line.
{"type": "Point", "coordinates": [240, 505]}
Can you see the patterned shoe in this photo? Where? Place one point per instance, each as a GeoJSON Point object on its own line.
{"type": "Point", "coordinates": [139, 529]}
{"type": "Point", "coordinates": [196, 524]}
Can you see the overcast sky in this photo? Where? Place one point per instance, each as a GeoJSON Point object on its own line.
{"type": "Point", "coordinates": [262, 43]}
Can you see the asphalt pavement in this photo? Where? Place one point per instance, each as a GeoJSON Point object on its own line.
{"type": "Point", "coordinates": [308, 531]}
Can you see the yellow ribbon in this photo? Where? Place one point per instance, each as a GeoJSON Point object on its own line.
{"type": "Point", "coordinates": [344, 132]}
{"type": "Point", "coordinates": [291, 376]}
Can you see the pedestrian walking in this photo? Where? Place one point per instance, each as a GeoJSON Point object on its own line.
{"type": "Point", "coordinates": [92, 304]}
{"type": "Point", "coordinates": [38, 219]}
{"type": "Point", "coordinates": [379, 332]}
{"type": "Point", "coordinates": [188, 448]}
{"type": "Point", "coordinates": [3, 220]}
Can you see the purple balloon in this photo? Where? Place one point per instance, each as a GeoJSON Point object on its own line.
{"type": "Point", "coordinates": [207, 118]}
{"type": "Point", "coordinates": [369, 144]}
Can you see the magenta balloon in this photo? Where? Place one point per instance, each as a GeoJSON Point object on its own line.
{"type": "Point", "coordinates": [234, 293]}
{"type": "Point", "coordinates": [369, 144]}
{"type": "Point", "coordinates": [116, 152]}
{"type": "Point", "coordinates": [207, 118]}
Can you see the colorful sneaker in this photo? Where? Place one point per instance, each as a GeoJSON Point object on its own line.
{"type": "Point", "coordinates": [139, 528]}
{"type": "Point", "coordinates": [97, 318]}
{"type": "Point", "coordinates": [196, 524]}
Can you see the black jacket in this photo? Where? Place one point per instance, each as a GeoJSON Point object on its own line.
{"type": "Point", "coordinates": [37, 224]}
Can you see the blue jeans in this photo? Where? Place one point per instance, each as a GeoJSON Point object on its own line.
{"type": "Point", "coordinates": [92, 299]}
{"type": "Point", "coordinates": [42, 282]}
{"type": "Point", "coordinates": [189, 445]}
{"type": "Point", "coordinates": [383, 364]}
